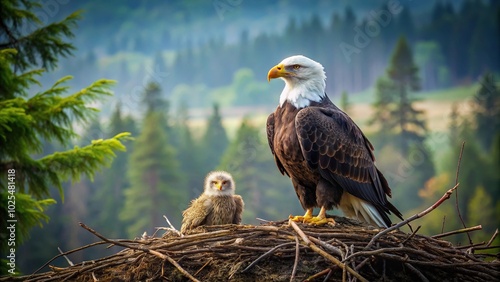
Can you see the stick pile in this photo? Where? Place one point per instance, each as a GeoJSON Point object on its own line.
{"type": "Point", "coordinates": [280, 251]}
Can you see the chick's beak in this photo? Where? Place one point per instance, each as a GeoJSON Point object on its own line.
{"type": "Point", "coordinates": [277, 71]}
{"type": "Point", "coordinates": [218, 185]}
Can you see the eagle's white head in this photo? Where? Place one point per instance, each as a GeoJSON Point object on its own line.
{"type": "Point", "coordinates": [304, 80]}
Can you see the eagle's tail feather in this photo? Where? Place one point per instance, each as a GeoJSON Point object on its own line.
{"type": "Point", "coordinates": [361, 210]}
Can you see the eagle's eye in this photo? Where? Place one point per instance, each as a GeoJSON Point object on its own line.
{"type": "Point", "coordinates": [296, 67]}
{"type": "Point", "coordinates": [224, 182]}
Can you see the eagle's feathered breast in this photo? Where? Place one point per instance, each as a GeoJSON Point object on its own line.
{"type": "Point", "coordinates": [220, 207]}
{"type": "Point", "coordinates": [325, 154]}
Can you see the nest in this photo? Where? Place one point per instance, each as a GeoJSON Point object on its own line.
{"type": "Point", "coordinates": [281, 251]}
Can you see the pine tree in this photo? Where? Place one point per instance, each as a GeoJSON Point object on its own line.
{"type": "Point", "coordinates": [408, 121]}
{"type": "Point", "coordinates": [189, 154]}
{"type": "Point", "coordinates": [344, 104]}
{"type": "Point", "coordinates": [108, 198]}
{"type": "Point", "coordinates": [403, 126]}
{"type": "Point", "coordinates": [383, 105]}
{"type": "Point", "coordinates": [153, 172]}
{"type": "Point", "coordinates": [215, 140]}
{"type": "Point", "coordinates": [486, 111]}
{"type": "Point", "coordinates": [28, 119]}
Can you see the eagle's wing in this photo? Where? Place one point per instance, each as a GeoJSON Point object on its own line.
{"type": "Point", "coordinates": [270, 140]}
{"type": "Point", "coordinates": [332, 143]}
{"type": "Point", "coordinates": [196, 214]}
{"type": "Point", "coordinates": [239, 209]}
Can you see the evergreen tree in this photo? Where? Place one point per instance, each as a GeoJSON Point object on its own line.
{"type": "Point", "coordinates": [407, 120]}
{"type": "Point", "coordinates": [189, 154]}
{"type": "Point", "coordinates": [454, 126]}
{"type": "Point", "coordinates": [153, 172]}
{"type": "Point", "coordinates": [486, 111]}
{"type": "Point", "coordinates": [152, 98]}
{"type": "Point", "coordinates": [383, 105]}
{"type": "Point", "coordinates": [160, 66]}
{"type": "Point", "coordinates": [25, 123]}
{"type": "Point", "coordinates": [154, 181]}
{"type": "Point", "coordinates": [345, 105]}
{"type": "Point", "coordinates": [403, 126]}
{"type": "Point", "coordinates": [108, 197]}
{"type": "Point", "coordinates": [215, 140]}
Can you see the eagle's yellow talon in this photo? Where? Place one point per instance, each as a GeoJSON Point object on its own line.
{"type": "Point", "coordinates": [306, 217]}
{"type": "Point", "coordinates": [322, 221]}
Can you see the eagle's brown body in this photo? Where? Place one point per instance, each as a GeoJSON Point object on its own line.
{"type": "Point", "coordinates": [326, 156]}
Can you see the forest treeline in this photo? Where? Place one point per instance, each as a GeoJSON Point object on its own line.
{"type": "Point", "coordinates": [453, 44]}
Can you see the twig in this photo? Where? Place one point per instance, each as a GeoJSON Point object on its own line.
{"type": "Point", "coordinates": [319, 274]}
{"type": "Point", "coordinates": [263, 220]}
{"type": "Point", "coordinates": [487, 248]}
{"type": "Point", "coordinates": [456, 195]}
{"type": "Point", "coordinates": [296, 261]}
{"type": "Point", "coordinates": [67, 259]}
{"type": "Point", "coordinates": [492, 238]}
{"type": "Point", "coordinates": [66, 253]}
{"type": "Point", "coordinates": [330, 273]}
{"type": "Point", "coordinates": [146, 250]}
{"type": "Point", "coordinates": [171, 226]}
{"type": "Point", "coordinates": [474, 228]}
{"type": "Point", "coordinates": [94, 278]}
{"type": "Point", "coordinates": [266, 254]}
{"type": "Point", "coordinates": [411, 236]}
{"type": "Point", "coordinates": [323, 253]}
{"type": "Point", "coordinates": [201, 268]}
{"type": "Point", "coordinates": [471, 246]}
{"type": "Point", "coordinates": [417, 272]}
{"type": "Point", "coordinates": [445, 197]}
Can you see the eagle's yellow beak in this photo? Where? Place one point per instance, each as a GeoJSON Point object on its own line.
{"type": "Point", "coordinates": [218, 184]}
{"type": "Point", "coordinates": [277, 71]}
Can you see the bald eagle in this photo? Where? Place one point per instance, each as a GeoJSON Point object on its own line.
{"type": "Point", "coordinates": [326, 155]}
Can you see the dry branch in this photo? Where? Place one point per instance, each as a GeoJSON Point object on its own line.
{"type": "Point", "coordinates": [474, 228]}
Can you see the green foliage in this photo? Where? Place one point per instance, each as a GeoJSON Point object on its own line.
{"type": "Point", "coordinates": [383, 106]}
{"type": "Point", "coordinates": [152, 98]}
{"type": "Point", "coordinates": [28, 119]}
{"type": "Point", "coordinates": [107, 199]}
{"type": "Point", "coordinates": [37, 44]}
{"type": "Point", "coordinates": [154, 174]}
{"type": "Point", "coordinates": [402, 127]}
{"type": "Point", "coordinates": [486, 111]}
{"type": "Point", "coordinates": [190, 154]}
{"type": "Point", "coordinates": [344, 104]}
{"type": "Point", "coordinates": [214, 140]}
